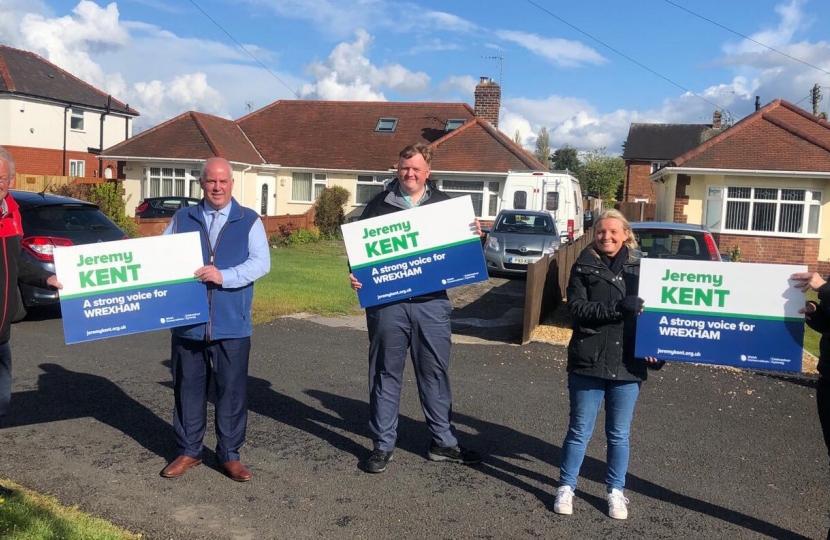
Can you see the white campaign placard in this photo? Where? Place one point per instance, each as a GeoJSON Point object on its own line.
{"type": "Point", "coordinates": [416, 251]}
{"type": "Point", "coordinates": [735, 314]}
{"type": "Point", "coordinates": [129, 286]}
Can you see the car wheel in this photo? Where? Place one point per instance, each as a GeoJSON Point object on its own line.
{"type": "Point", "coordinates": [20, 314]}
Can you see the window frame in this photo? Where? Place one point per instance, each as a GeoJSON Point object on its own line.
{"type": "Point", "coordinates": [488, 192]}
{"type": "Point", "coordinates": [384, 127]}
{"type": "Point", "coordinates": [76, 119]}
{"type": "Point", "coordinates": [181, 182]}
{"type": "Point", "coordinates": [76, 164]}
{"type": "Point", "coordinates": [717, 210]}
{"type": "Point", "coordinates": [317, 179]}
{"type": "Point", "coordinates": [370, 180]}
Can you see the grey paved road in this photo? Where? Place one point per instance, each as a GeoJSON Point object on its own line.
{"type": "Point", "coordinates": [716, 453]}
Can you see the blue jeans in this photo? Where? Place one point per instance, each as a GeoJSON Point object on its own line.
{"type": "Point", "coordinates": [586, 395]}
{"type": "Point", "coordinates": [5, 378]}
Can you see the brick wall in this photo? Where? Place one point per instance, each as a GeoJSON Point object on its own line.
{"type": "Point", "coordinates": [45, 161]}
{"type": "Point", "coordinates": [488, 101]}
{"type": "Point", "coordinates": [769, 249]}
{"type": "Point", "coordinates": [637, 185]}
{"type": "Point", "coordinates": [681, 199]}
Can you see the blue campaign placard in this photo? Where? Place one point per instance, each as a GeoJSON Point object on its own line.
{"type": "Point", "coordinates": [130, 286]}
{"type": "Point", "coordinates": [414, 252]}
{"type": "Point", "coordinates": [731, 314]}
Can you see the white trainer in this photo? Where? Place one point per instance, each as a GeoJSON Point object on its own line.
{"type": "Point", "coordinates": [617, 505]}
{"type": "Point", "coordinates": [564, 503]}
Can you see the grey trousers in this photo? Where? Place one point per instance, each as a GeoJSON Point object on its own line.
{"type": "Point", "coordinates": [423, 329]}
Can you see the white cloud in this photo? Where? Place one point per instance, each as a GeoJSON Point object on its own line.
{"type": "Point", "coordinates": [348, 72]}
{"type": "Point", "coordinates": [11, 12]}
{"type": "Point", "coordinates": [792, 20]}
{"type": "Point", "coordinates": [332, 17]}
{"type": "Point", "coordinates": [562, 52]}
{"type": "Point", "coordinates": [69, 41]}
{"type": "Point", "coordinates": [439, 20]}
{"type": "Point", "coordinates": [463, 84]}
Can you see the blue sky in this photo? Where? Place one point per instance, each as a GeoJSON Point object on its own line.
{"type": "Point", "coordinates": [165, 57]}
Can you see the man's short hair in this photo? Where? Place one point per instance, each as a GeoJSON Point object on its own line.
{"type": "Point", "coordinates": [417, 148]}
{"type": "Point", "coordinates": [5, 156]}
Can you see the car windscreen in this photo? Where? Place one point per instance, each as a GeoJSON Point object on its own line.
{"type": "Point", "coordinates": [525, 224]}
{"type": "Point", "coordinates": [667, 244]}
{"type": "Point", "coordinates": [54, 220]}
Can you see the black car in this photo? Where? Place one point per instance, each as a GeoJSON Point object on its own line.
{"type": "Point", "coordinates": [163, 207]}
{"type": "Point", "coordinates": [664, 240]}
{"type": "Point", "coordinates": [49, 221]}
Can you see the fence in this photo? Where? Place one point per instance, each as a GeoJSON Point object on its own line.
{"type": "Point", "coordinates": [637, 211]}
{"type": "Point", "coordinates": [41, 182]}
{"type": "Point", "coordinates": [547, 281]}
{"type": "Point", "coordinates": [274, 225]}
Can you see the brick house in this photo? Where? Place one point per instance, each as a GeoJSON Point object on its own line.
{"type": "Point", "coordinates": [53, 123]}
{"type": "Point", "coordinates": [284, 154]}
{"type": "Point", "coordinates": [760, 185]}
{"type": "Point", "coordinates": [651, 146]}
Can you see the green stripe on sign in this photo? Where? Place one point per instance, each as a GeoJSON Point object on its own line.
{"type": "Point", "coordinates": [721, 314]}
{"type": "Point", "coordinates": [414, 253]}
{"type": "Point", "coordinates": [99, 292]}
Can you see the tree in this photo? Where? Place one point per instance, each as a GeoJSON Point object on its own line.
{"type": "Point", "coordinates": [566, 158]}
{"type": "Point", "coordinates": [328, 213]}
{"type": "Point", "coordinates": [542, 152]}
{"type": "Point", "coordinates": [517, 137]}
{"type": "Point", "coordinates": [601, 175]}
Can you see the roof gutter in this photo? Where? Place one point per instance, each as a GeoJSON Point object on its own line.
{"type": "Point", "coordinates": [735, 172]}
{"type": "Point", "coordinates": [184, 160]}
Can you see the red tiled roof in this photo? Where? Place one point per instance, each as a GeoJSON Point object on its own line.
{"type": "Point", "coordinates": [341, 135]}
{"type": "Point", "coordinates": [190, 135]}
{"type": "Point", "coordinates": [479, 147]}
{"type": "Point", "coordinates": [25, 73]}
{"type": "Point", "coordinates": [778, 137]}
{"type": "Point", "coordinates": [334, 135]}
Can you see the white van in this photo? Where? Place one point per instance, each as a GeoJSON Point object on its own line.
{"type": "Point", "coordinates": [555, 192]}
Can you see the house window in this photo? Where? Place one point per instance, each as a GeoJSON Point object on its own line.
{"type": "Point", "coordinates": [763, 210]}
{"type": "Point", "coordinates": [454, 123]}
{"type": "Point", "coordinates": [493, 196]}
{"type": "Point", "coordinates": [656, 165]}
{"type": "Point", "coordinates": [386, 125]}
{"type": "Point", "coordinates": [483, 194]}
{"type": "Point", "coordinates": [306, 187]}
{"type": "Point", "coordinates": [368, 186]}
{"type": "Point", "coordinates": [77, 167]}
{"type": "Point", "coordinates": [173, 182]}
{"type": "Point", "coordinates": [76, 120]}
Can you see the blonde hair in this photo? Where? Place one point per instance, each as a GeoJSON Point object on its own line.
{"type": "Point", "coordinates": [631, 241]}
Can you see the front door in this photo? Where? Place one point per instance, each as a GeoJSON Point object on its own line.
{"type": "Point", "coordinates": [266, 195]}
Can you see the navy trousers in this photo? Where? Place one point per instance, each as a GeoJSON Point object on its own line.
{"type": "Point", "coordinates": [423, 329]}
{"type": "Point", "coordinates": [194, 364]}
{"type": "Point", "coordinates": [5, 378]}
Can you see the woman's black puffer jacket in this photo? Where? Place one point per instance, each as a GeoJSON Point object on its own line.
{"type": "Point", "coordinates": [602, 344]}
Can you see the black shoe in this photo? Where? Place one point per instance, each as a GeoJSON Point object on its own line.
{"type": "Point", "coordinates": [455, 454]}
{"type": "Point", "coordinates": [377, 461]}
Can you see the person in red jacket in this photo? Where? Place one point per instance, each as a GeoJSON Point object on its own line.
{"type": "Point", "coordinates": [12, 269]}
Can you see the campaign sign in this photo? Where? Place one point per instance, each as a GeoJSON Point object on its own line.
{"type": "Point", "coordinates": [130, 286]}
{"type": "Point", "coordinates": [425, 249]}
{"type": "Point", "coordinates": [730, 314]}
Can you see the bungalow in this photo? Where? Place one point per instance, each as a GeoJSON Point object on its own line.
{"type": "Point", "coordinates": [760, 185]}
{"type": "Point", "coordinates": [286, 153]}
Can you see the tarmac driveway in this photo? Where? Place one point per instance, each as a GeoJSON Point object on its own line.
{"type": "Point", "coordinates": [715, 453]}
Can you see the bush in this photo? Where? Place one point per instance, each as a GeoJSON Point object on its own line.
{"type": "Point", "coordinates": [329, 214]}
{"type": "Point", "coordinates": [735, 254]}
{"type": "Point", "coordinates": [283, 237]}
{"type": "Point", "coordinates": [108, 198]}
{"type": "Point", "coordinates": [305, 236]}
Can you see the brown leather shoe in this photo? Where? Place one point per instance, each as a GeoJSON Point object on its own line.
{"type": "Point", "coordinates": [237, 471]}
{"type": "Point", "coordinates": [179, 466]}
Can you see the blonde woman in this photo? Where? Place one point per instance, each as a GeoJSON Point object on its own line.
{"type": "Point", "coordinates": [603, 303]}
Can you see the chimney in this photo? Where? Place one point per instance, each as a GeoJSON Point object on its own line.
{"type": "Point", "coordinates": [757, 102]}
{"type": "Point", "coordinates": [716, 117]}
{"type": "Point", "coordinates": [488, 101]}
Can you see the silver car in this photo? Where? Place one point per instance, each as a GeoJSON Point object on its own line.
{"type": "Point", "coordinates": [518, 238]}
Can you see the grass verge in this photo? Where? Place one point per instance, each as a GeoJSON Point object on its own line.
{"type": "Point", "coordinates": [25, 515]}
{"type": "Point", "coordinates": [311, 278]}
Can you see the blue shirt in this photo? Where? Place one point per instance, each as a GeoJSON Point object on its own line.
{"type": "Point", "coordinates": [259, 252]}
